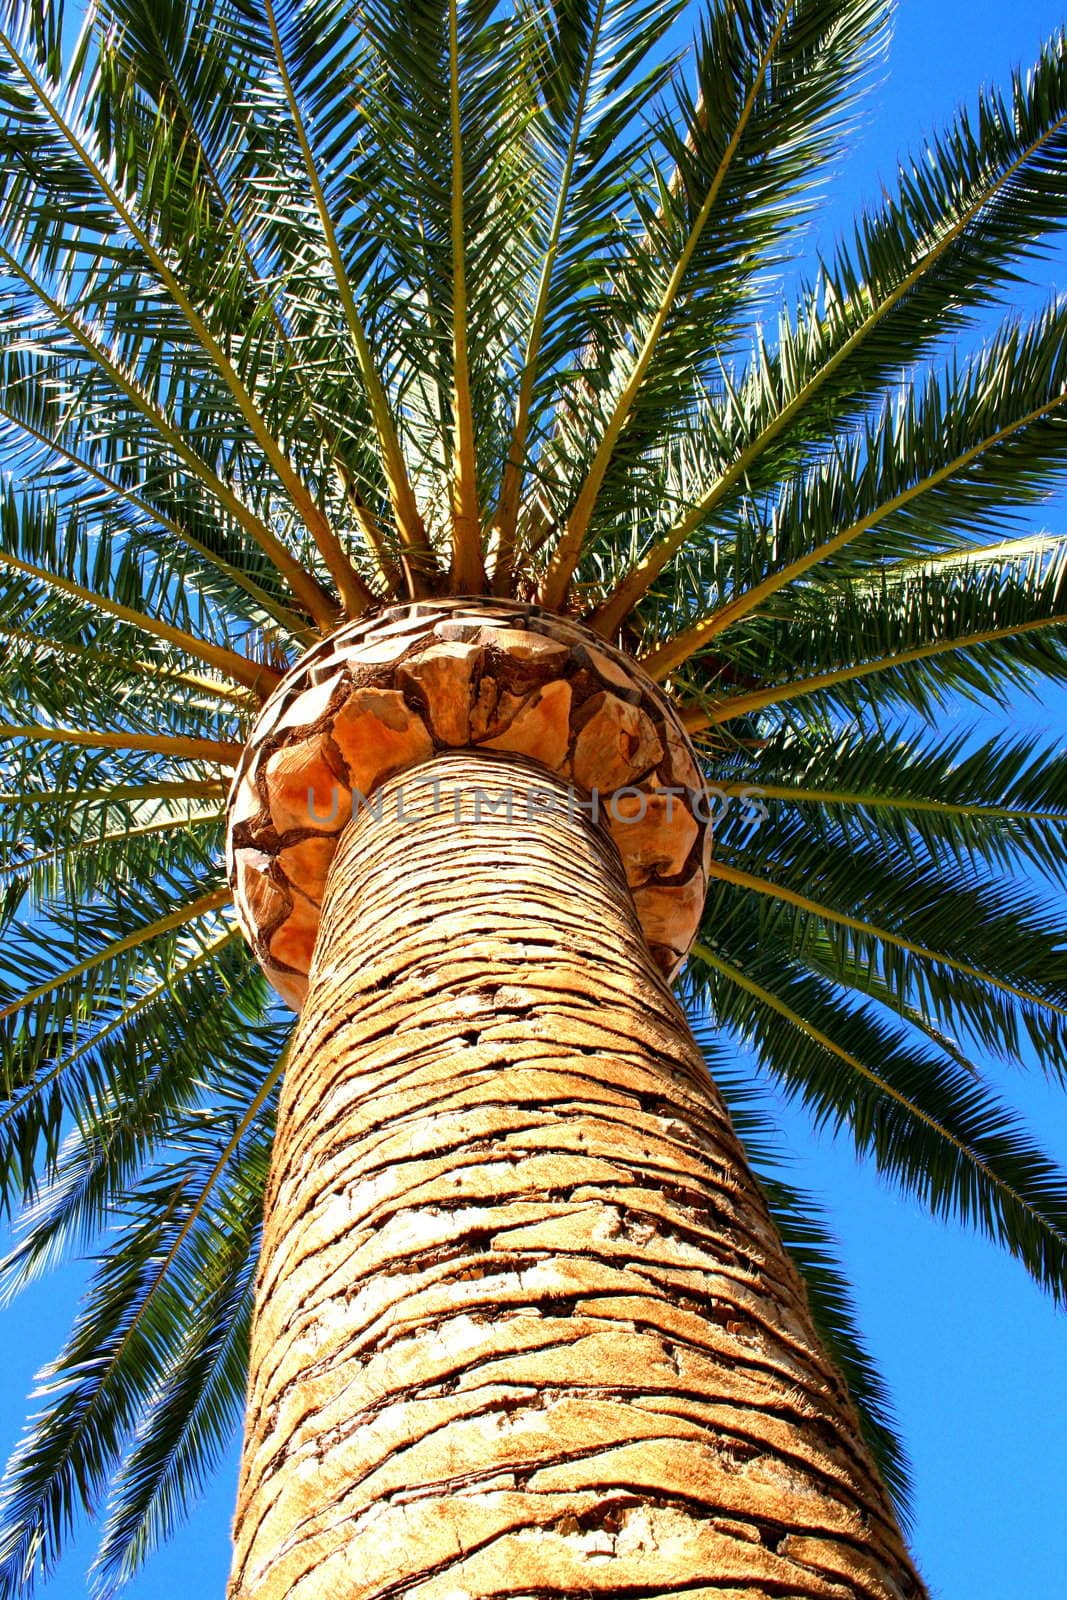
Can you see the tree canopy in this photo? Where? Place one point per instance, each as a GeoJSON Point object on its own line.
{"type": "Point", "coordinates": [309, 306]}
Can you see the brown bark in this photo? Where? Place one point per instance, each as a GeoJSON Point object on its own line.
{"type": "Point", "coordinates": [523, 1326]}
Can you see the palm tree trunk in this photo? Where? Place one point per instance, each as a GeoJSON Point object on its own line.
{"type": "Point", "coordinates": [523, 1325]}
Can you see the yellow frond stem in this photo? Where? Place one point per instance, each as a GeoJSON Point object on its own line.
{"type": "Point", "coordinates": [671, 655]}
{"type": "Point", "coordinates": [610, 614]}
{"type": "Point", "coordinates": [566, 556]}
{"type": "Point", "coordinates": [207, 903]}
{"type": "Point", "coordinates": [871, 800]}
{"type": "Point", "coordinates": [743, 705]}
{"type": "Point", "coordinates": [468, 571]}
{"type": "Point", "coordinates": [421, 559]}
{"type": "Point", "coordinates": [216, 751]}
{"type": "Point", "coordinates": [252, 674]}
{"type": "Point", "coordinates": [746, 880]}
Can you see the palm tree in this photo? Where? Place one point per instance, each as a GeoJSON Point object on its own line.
{"type": "Point", "coordinates": [407, 394]}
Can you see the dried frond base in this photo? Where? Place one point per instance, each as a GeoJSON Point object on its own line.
{"type": "Point", "coordinates": [388, 694]}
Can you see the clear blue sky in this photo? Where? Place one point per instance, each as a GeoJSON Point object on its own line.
{"type": "Point", "coordinates": [975, 1357]}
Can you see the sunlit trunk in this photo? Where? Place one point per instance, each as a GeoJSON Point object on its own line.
{"type": "Point", "coordinates": [524, 1327]}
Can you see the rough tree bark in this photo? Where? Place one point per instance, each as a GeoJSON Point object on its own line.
{"type": "Point", "coordinates": [523, 1325]}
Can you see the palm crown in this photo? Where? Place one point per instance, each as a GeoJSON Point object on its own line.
{"type": "Point", "coordinates": [308, 308]}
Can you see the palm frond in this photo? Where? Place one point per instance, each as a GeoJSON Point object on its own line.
{"type": "Point", "coordinates": [114, 1058]}
{"type": "Point", "coordinates": [983, 196]}
{"type": "Point", "coordinates": [922, 1119]}
{"type": "Point", "coordinates": [936, 461]}
{"type": "Point", "coordinates": [772, 76]}
{"type": "Point", "coordinates": [996, 801]}
{"type": "Point", "coordinates": [298, 46]}
{"type": "Point", "coordinates": [118, 1359]}
{"type": "Point", "coordinates": [56, 451]}
{"type": "Point", "coordinates": [250, 673]}
{"type": "Point", "coordinates": [596, 71]}
{"type": "Point", "coordinates": [79, 142]}
{"type": "Point", "coordinates": [938, 632]}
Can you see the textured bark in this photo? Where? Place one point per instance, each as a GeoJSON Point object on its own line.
{"type": "Point", "coordinates": [523, 1325]}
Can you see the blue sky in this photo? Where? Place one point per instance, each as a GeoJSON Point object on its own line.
{"type": "Point", "coordinates": [975, 1357]}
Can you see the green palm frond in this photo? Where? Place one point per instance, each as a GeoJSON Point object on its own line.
{"type": "Point", "coordinates": [296, 47]}
{"type": "Point", "coordinates": [118, 1366]}
{"type": "Point", "coordinates": [985, 195]}
{"type": "Point", "coordinates": [935, 462]}
{"type": "Point", "coordinates": [52, 446]}
{"type": "Point", "coordinates": [181, 1436]}
{"type": "Point", "coordinates": [596, 70]}
{"type": "Point", "coordinates": [77, 826]}
{"type": "Point", "coordinates": [127, 1106]}
{"type": "Point", "coordinates": [772, 78]}
{"type": "Point", "coordinates": [930, 632]}
{"type": "Point", "coordinates": [110, 1057]}
{"type": "Point", "coordinates": [924, 1120]}
{"type": "Point", "coordinates": [61, 987]}
{"type": "Point", "coordinates": [998, 802]}
{"type": "Point", "coordinates": [1003, 968]}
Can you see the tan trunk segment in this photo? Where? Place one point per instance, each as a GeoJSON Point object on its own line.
{"type": "Point", "coordinates": [523, 1325]}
